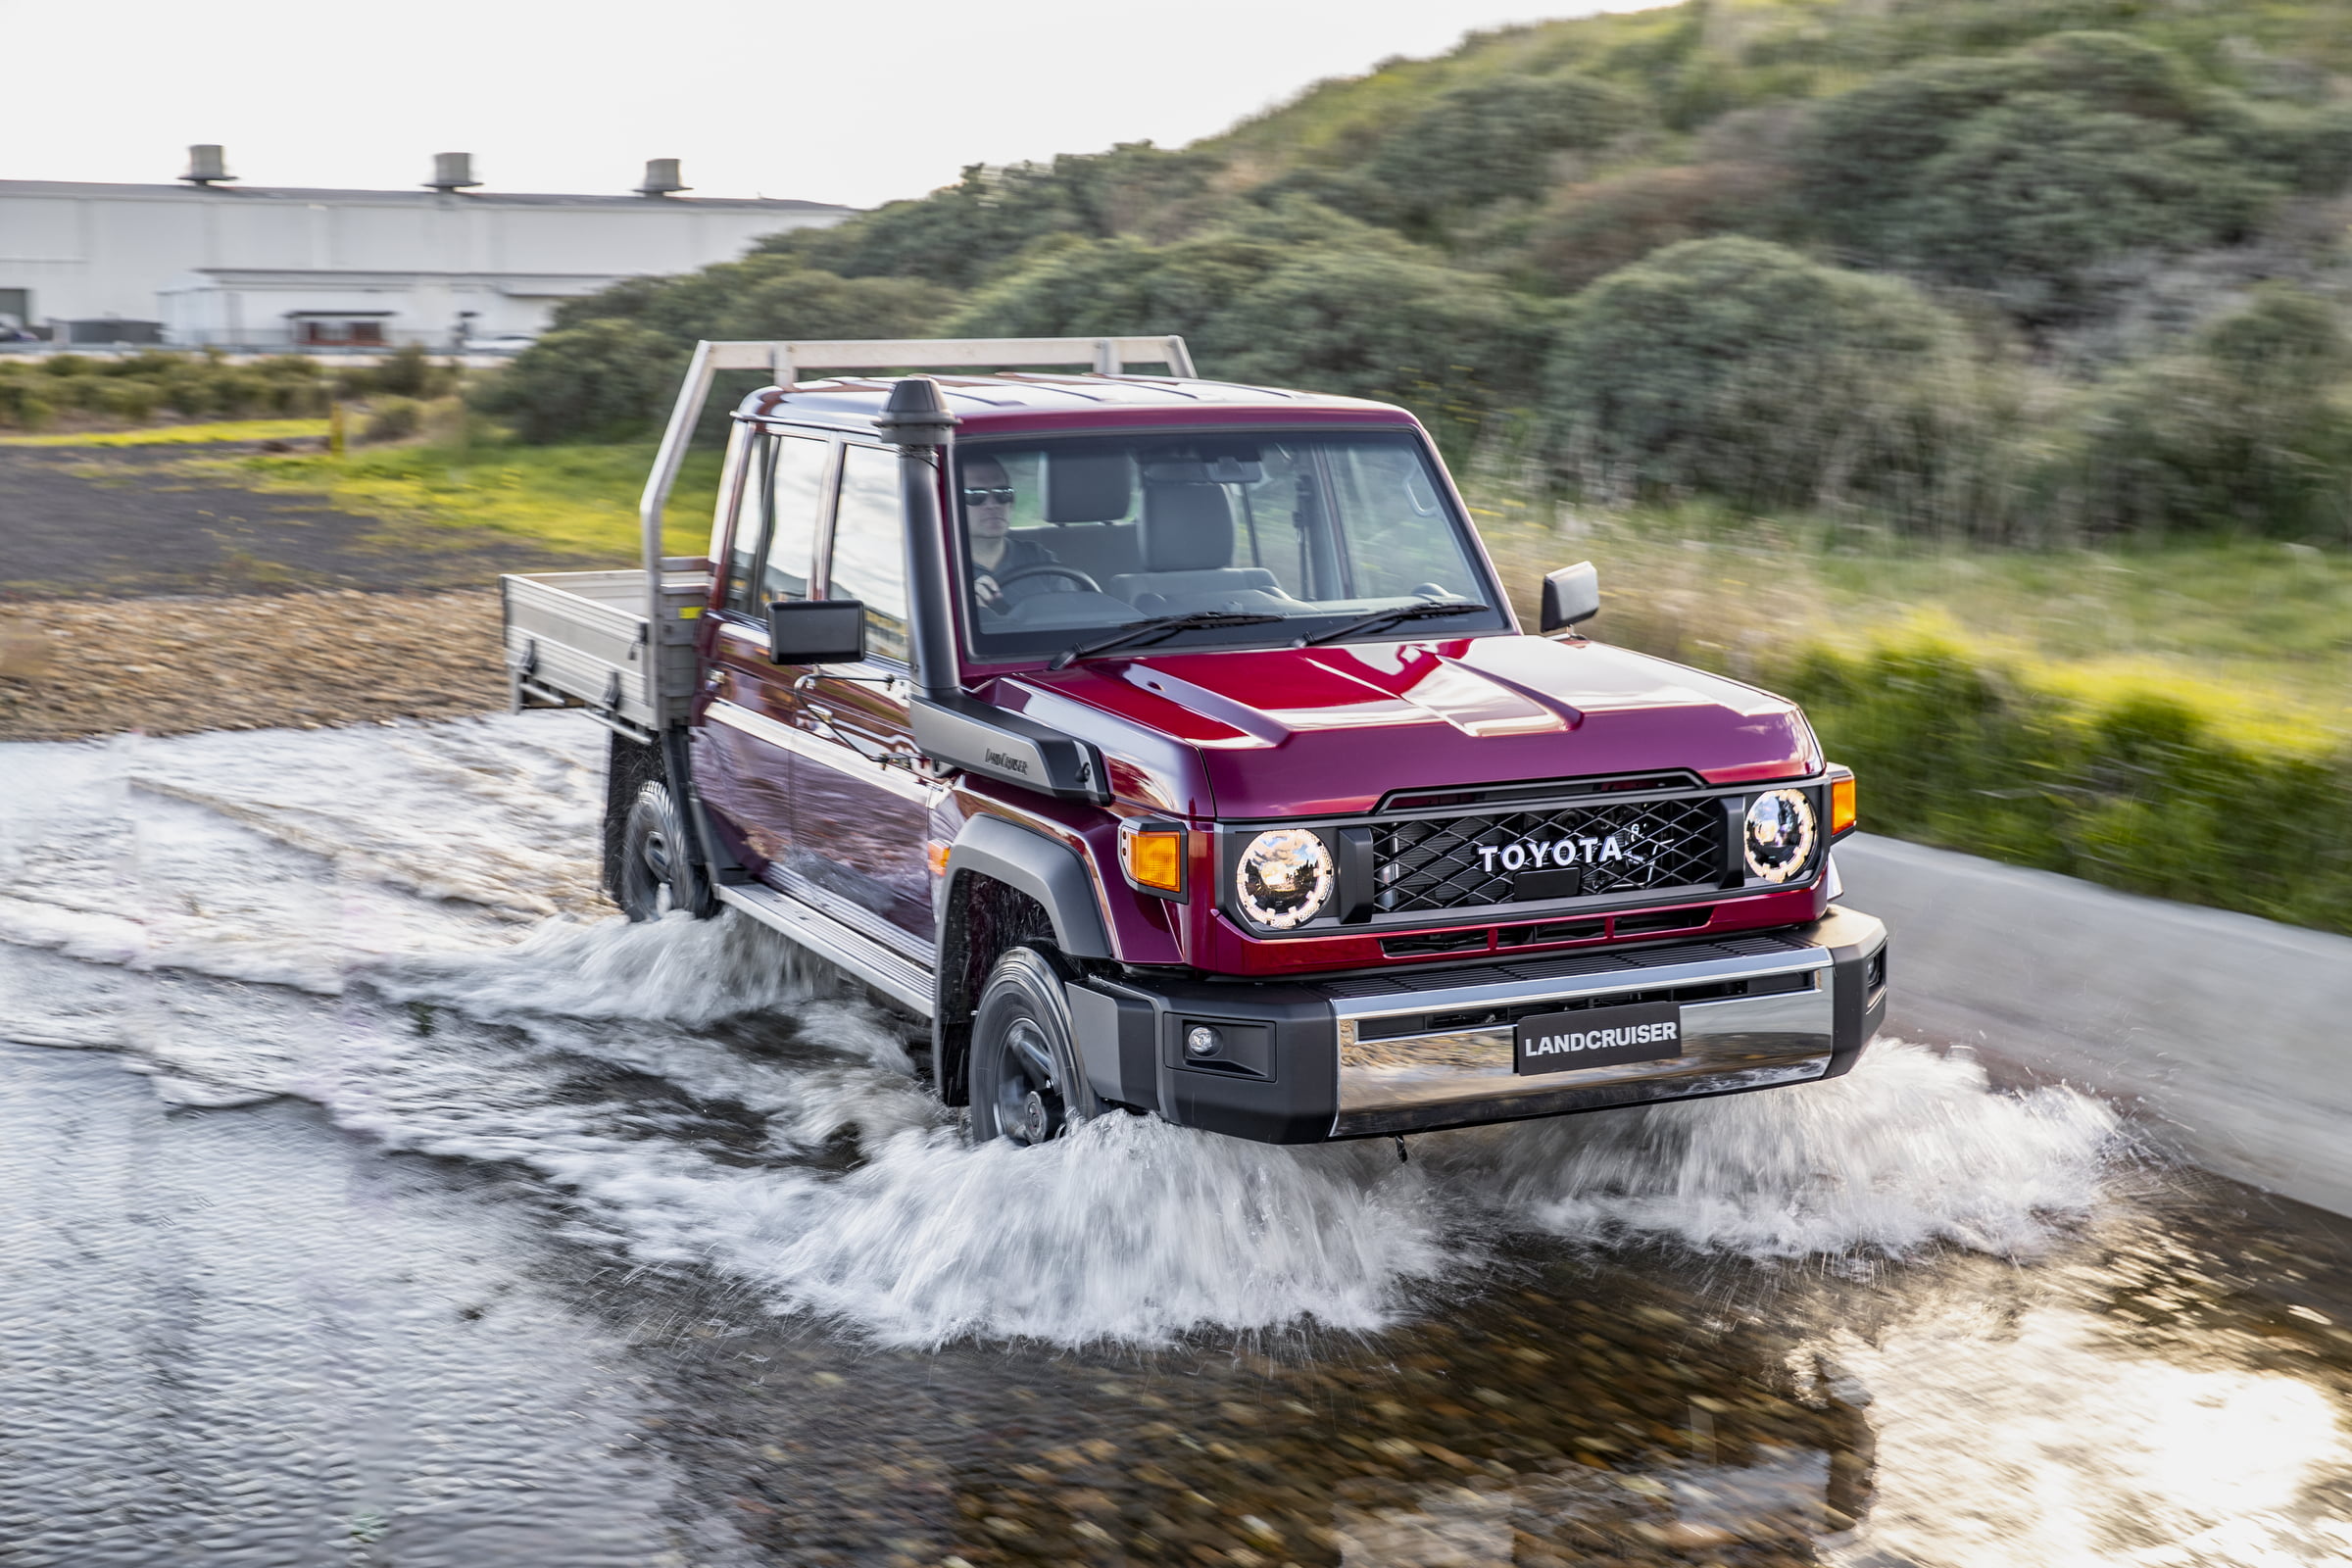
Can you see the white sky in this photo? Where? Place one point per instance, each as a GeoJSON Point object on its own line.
{"type": "Point", "coordinates": [857, 102]}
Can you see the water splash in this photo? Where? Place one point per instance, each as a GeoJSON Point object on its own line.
{"type": "Point", "coordinates": [1129, 1229]}
{"type": "Point", "coordinates": [1909, 1150]}
{"type": "Point", "coordinates": [358, 917]}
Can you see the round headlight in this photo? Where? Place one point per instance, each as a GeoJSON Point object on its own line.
{"type": "Point", "coordinates": [1285, 878]}
{"type": "Point", "coordinates": [1779, 836]}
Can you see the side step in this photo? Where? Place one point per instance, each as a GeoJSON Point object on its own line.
{"type": "Point", "coordinates": [908, 984]}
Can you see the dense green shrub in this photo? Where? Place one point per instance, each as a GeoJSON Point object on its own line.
{"type": "Point", "coordinates": [2028, 198]}
{"type": "Point", "coordinates": [2248, 429]}
{"type": "Point", "coordinates": [1491, 141]}
{"type": "Point", "coordinates": [1588, 230]}
{"type": "Point", "coordinates": [392, 418]}
{"type": "Point", "coordinates": [609, 367]}
{"type": "Point", "coordinates": [1289, 304]}
{"type": "Point", "coordinates": [765, 295]}
{"type": "Point", "coordinates": [25, 404]}
{"type": "Point", "coordinates": [2134, 790]}
{"type": "Point", "coordinates": [408, 371]}
{"type": "Point", "coordinates": [1745, 371]}
{"type": "Point", "coordinates": [2024, 174]}
{"type": "Point", "coordinates": [601, 379]}
{"type": "Point", "coordinates": [960, 235]}
{"type": "Point", "coordinates": [139, 387]}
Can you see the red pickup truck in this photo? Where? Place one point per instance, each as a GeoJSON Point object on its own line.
{"type": "Point", "coordinates": [1172, 745]}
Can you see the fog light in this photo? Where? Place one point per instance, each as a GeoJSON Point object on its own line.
{"type": "Point", "coordinates": [1200, 1041]}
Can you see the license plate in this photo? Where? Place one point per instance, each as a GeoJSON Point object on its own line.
{"type": "Point", "coordinates": [1598, 1037]}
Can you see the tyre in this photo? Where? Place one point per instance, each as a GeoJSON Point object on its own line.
{"type": "Point", "coordinates": [1025, 1081]}
{"type": "Point", "coordinates": [657, 874]}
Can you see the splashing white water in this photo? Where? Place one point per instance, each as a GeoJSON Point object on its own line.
{"type": "Point", "coordinates": [1909, 1150]}
{"type": "Point", "coordinates": [362, 918]}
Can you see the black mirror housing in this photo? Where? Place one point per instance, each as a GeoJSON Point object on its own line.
{"type": "Point", "coordinates": [1570, 595]}
{"type": "Point", "coordinates": [816, 631]}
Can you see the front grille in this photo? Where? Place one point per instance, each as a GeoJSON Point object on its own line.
{"type": "Point", "coordinates": [1438, 863]}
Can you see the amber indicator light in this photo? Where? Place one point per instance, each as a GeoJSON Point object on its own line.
{"type": "Point", "coordinates": [1154, 857]}
{"type": "Point", "coordinates": [1841, 806]}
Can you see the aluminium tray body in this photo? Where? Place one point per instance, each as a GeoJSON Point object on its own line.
{"type": "Point", "coordinates": [583, 639]}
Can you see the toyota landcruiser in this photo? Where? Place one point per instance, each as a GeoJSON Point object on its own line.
{"type": "Point", "coordinates": [1172, 746]}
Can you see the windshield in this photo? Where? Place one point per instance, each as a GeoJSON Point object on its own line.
{"type": "Point", "coordinates": [1066, 541]}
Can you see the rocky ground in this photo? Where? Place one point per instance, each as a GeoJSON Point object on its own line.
{"type": "Point", "coordinates": [138, 594]}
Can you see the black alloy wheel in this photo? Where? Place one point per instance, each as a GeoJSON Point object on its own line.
{"type": "Point", "coordinates": [1025, 1080]}
{"type": "Point", "coordinates": [657, 874]}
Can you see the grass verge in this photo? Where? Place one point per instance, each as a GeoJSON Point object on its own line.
{"type": "Point", "coordinates": [175, 435]}
{"type": "Point", "coordinates": [2127, 785]}
{"type": "Point", "coordinates": [2164, 720]}
{"type": "Point", "coordinates": [581, 499]}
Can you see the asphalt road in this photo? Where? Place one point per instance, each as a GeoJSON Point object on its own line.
{"type": "Point", "coordinates": [370, 1198]}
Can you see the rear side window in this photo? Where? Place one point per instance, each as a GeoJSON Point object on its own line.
{"type": "Point", "coordinates": [775, 539]}
{"type": "Point", "coordinates": [869, 550]}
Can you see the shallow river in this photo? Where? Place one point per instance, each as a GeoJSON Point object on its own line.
{"type": "Point", "coordinates": [368, 1196]}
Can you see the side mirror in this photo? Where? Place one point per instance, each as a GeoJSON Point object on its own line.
{"type": "Point", "coordinates": [816, 631]}
{"type": "Point", "coordinates": [1570, 595]}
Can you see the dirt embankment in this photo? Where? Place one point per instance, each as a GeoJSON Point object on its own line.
{"type": "Point", "coordinates": [77, 668]}
{"type": "Point", "coordinates": [282, 609]}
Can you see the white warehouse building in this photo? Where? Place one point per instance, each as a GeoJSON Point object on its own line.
{"type": "Point", "coordinates": [208, 262]}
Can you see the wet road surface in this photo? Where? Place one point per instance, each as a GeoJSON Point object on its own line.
{"type": "Point", "coordinates": [369, 1197]}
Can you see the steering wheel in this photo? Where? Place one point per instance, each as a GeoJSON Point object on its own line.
{"type": "Point", "coordinates": [1048, 568]}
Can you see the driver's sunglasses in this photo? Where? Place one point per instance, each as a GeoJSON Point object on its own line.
{"type": "Point", "coordinates": [987, 494]}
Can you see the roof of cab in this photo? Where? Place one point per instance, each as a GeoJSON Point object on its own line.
{"type": "Point", "coordinates": [1017, 400]}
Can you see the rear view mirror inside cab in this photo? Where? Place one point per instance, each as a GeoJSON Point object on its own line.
{"type": "Point", "coordinates": [1570, 595]}
{"type": "Point", "coordinates": [1215, 471]}
{"type": "Point", "coordinates": [816, 631]}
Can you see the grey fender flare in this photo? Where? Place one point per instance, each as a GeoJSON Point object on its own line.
{"type": "Point", "coordinates": [1051, 873]}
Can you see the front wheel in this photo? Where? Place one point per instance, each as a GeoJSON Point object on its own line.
{"type": "Point", "coordinates": [657, 874]}
{"type": "Point", "coordinates": [1025, 1079]}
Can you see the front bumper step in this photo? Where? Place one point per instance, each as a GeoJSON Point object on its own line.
{"type": "Point", "coordinates": [1363, 1056]}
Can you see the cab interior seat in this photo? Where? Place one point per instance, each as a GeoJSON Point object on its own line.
{"type": "Point", "coordinates": [1186, 540]}
{"type": "Point", "coordinates": [1089, 506]}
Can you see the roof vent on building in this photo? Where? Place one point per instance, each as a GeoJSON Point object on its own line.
{"type": "Point", "coordinates": [452, 172]}
{"type": "Point", "coordinates": [661, 177]}
{"type": "Point", "coordinates": [207, 164]}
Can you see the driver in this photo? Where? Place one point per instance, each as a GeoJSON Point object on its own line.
{"type": "Point", "coordinates": [987, 511]}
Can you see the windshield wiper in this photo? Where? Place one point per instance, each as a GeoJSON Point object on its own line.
{"type": "Point", "coordinates": [1160, 626]}
{"type": "Point", "coordinates": [1389, 617]}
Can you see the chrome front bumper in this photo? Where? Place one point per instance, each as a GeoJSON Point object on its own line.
{"type": "Point", "coordinates": [1362, 1055]}
{"type": "Point", "coordinates": [1782, 1029]}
